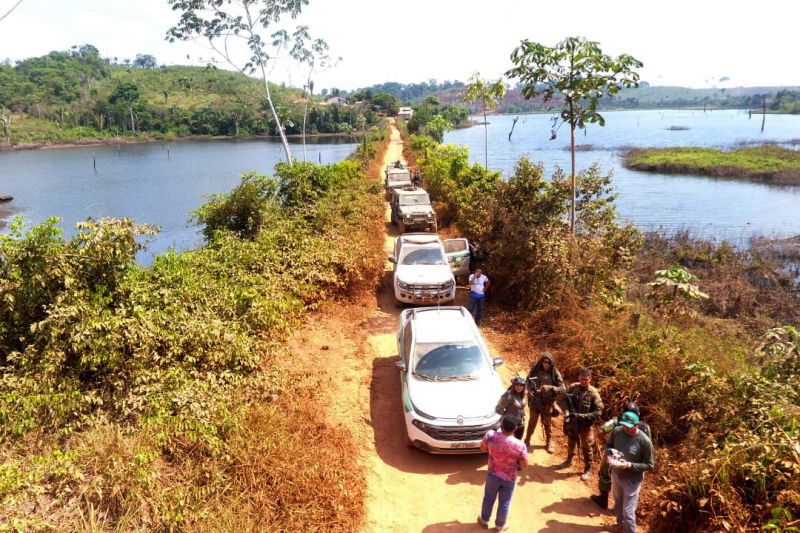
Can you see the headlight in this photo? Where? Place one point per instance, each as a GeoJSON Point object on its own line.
{"type": "Point", "coordinates": [449, 285]}
{"type": "Point", "coordinates": [402, 284]}
{"type": "Point", "coordinates": [409, 218]}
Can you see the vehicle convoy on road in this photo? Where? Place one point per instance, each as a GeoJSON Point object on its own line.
{"type": "Point", "coordinates": [422, 270]}
{"type": "Point", "coordinates": [450, 384]}
{"type": "Point", "coordinates": [411, 209]}
{"type": "Point", "coordinates": [397, 177]}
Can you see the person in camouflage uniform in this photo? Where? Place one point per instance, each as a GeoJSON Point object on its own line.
{"type": "Point", "coordinates": [604, 476]}
{"type": "Point", "coordinates": [545, 385]}
{"type": "Point", "coordinates": [583, 406]}
{"type": "Point", "coordinates": [512, 402]}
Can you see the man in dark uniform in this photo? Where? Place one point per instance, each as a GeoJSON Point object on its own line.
{"type": "Point", "coordinates": [583, 406]}
{"type": "Point", "coordinates": [545, 385]}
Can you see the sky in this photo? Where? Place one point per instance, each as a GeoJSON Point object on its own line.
{"type": "Point", "coordinates": [689, 43]}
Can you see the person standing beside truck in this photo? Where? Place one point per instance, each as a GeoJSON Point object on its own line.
{"type": "Point", "coordinates": [478, 283]}
{"type": "Point", "coordinates": [545, 385]}
{"type": "Point", "coordinates": [583, 407]}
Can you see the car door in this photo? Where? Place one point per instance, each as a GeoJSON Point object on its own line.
{"type": "Point", "coordinates": [457, 252]}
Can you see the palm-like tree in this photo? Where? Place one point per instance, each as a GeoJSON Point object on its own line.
{"type": "Point", "coordinates": [488, 94]}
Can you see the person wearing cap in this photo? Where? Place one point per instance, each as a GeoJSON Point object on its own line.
{"type": "Point", "coordinates": [545, 385]}
{"type": "Point", "coordinates": [604, 476]}
{"type": "Point", "coordinates": [584, 407]}
{"type": "Point", "coordinates": [512, 402]}
{"type": "Point", "coordinates": [507, 454]}
{"type": "Point", "coordinates": [627, 474]}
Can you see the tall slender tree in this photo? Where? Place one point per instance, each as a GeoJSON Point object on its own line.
{"type": "Point", "coordinates": [256, 24]}
{"type": "Point", "coordinates": [488, 94]}
{"type": "Point", "coordinates": [577, 71]}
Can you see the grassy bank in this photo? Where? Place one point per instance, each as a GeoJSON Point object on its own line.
{"type": "Point", "coordinates": [157, 398]}
{"type": "Point", "coordinates": [705, 334]}
{"type": "Point", "coordinates": [769, 163]}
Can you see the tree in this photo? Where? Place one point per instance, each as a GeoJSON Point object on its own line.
{"type": "Point", "coordinates": [126, 92]}
{"type": "Point", "coordinates": [488, 94]}
{"type": "Point", "coordinates": [145, 61]}
{"type": "Point", "coordinates": [317, 58]}
{"type": "Point", "coordinates": [5, 121]}
{"type": "Point", "coordinates": [578, 71]}
{"type": "Point", "coordinates": [436, 128]}
{"type": "Point", "coordinates": [224, 24]}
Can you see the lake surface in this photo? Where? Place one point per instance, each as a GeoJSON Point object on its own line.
{"type": "Point", "coordinates": [151, 183]}
{"type": "Point", "coordinates": [709, 207]}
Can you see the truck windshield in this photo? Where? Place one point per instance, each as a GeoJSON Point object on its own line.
{"type": "Point", "coordinates": [398, 176]}
{"type": "Point", "coordinates": [424, 256]}
{"type": "Point", "coordinates": [415, 199]}
{"type": "Point", "coordinates": [449, 361]}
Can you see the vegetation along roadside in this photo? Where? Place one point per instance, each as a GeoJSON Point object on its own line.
{"type": "Point", "coordinates": [704, 333]}
{"type": "Point", "coordinates": [157, 398]}
{"type": "Point", "coordinates": [768, 163]}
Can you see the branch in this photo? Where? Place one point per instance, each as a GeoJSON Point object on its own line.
{"type": "Point", "coordinates": [7, 13]}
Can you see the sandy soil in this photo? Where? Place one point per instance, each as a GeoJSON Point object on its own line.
{"type": "Point", "coordinates": [409, 490]}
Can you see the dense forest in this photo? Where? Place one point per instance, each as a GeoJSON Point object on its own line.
{"type": "Point", "coordinates": [78, 94]}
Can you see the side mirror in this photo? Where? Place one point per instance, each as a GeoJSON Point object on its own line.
{"type": "Point", "coordinates": [497, 361]}
{"type": "Point", "coordinates": [392, 259]}
{"type": "Point", "coordinates": [400, 364]}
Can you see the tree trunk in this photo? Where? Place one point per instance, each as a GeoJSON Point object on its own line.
{"type": "Point", "coordinates": [572, 150]}
{"type": "Point", "coordinates": [133, 124]}
{"type": "Point", "coordinates": [275, 116]}
{"type": "Point", "coordinates": [764, 111]}
{"type": "Point", "coordinates": [512, 127]}
{"type": "Point", "coordinates": [485, 139]}
{"type": "Point", "coordinates": [305, 117]}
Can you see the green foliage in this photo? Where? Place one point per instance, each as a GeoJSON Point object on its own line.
{"type": "Point", "coordinates": [241, 212]}
{"type": "Point", "coordinates": [769, 163]}
{"type": "Point", "coordinates": [144, 373]}
{"type": "Point", "coordinates": [672, 283]}
{"type": "Point", "coordinates": [425, 121]}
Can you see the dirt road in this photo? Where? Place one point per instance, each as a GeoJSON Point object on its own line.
{"type": "Point", "coordinates": [409, 490]}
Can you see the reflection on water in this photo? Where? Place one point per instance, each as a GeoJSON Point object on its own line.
{"type": "Point", "coordinates": [152, 183]}
{"type": "Point", "coordinates": [709, 207]}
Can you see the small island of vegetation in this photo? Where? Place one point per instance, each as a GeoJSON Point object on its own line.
{"type": "Point", "coordinates": [768, 163]}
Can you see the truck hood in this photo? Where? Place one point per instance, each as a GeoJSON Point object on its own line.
{"type": "Point", "coordinates": [451, 399]}
{"type": "Point", "coordinates": [423, 274]}
{"type": "Point", "coordinates": [415, 210]}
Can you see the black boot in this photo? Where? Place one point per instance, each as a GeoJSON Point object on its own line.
{"type": "Point", "coordinates": [601, 499]}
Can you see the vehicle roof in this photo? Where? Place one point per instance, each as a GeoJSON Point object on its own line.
{"type": "Point", "coordinates": [418, 238]}
{"type": "Point", "coordinates": [446, 324]}
{"type": "Point", "coordinates": [410, 192]}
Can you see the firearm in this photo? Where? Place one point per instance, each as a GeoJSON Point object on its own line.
{"type": "Point", "coordinates": [570, 420]}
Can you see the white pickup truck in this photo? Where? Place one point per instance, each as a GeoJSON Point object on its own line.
{"type": "Point", "coordinates": [424, 273]}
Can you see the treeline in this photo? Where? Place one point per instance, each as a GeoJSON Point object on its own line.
{"type": "Point", "coordinates": [77, 94]}
{"type": "Point", "coordinates": [776, 100]}
{"type": "Point", "coordinates": [411, 92]}
{"type": "Point", "coordinates": [704, 334]}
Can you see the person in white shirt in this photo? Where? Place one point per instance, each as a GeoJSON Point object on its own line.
{"type": "Point", "coordinates": [478, 283]}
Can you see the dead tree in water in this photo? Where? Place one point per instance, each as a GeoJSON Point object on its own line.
{"type": "Point", "coordinates": [512, 128]}
{"type": "Point", "coordinates": [764, 111]}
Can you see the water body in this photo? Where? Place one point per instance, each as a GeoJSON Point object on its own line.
{"type": "Point", "coordinates": [708, 207]}
{"type": "Point", "coordinates": [151, 183]}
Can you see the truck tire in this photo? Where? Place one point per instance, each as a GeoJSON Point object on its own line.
{"type": "Point", "coordinates": [402, 227]}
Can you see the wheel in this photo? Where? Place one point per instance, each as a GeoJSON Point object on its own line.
{"type": "Point", "coordinates": [402, 226]}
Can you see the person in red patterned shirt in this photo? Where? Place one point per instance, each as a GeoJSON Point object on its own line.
{"type": "Point", "coordinates": [506, 454]}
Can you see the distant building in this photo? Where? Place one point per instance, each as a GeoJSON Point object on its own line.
{"type": "Point", "coordinates": [405, 113]}
{"type": "Point", "coordinates": [338, 100]}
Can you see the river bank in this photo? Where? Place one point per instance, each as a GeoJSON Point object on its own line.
{"type": "Point", "coordinates": [112, 141]}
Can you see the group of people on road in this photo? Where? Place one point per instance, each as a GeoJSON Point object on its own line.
{"type": "Point", "coordinates": [628, 448]}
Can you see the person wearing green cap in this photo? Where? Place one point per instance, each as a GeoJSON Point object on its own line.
{"type": "Point", "coordinates": [635, 457]}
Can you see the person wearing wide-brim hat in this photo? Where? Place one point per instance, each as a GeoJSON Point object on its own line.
{"type": "Point", "coordinates": [635, 450]}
